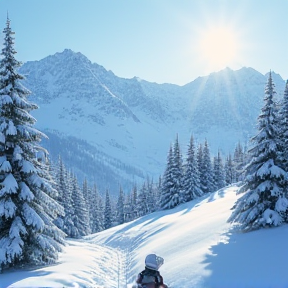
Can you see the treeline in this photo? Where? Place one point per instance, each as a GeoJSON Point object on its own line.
{"type": "Point", "coordinates": [88, 210]}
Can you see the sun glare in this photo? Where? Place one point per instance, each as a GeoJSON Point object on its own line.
{"type": "Point", "coordinates": [218, 48]}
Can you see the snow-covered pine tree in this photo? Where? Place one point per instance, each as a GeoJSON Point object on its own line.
{"type": "Point", "coordinates": [151, 196]}
{"type": "Point", "coordinates": [177, 170]}
{"type": "Point", "coordinates": [206, 170]}
{"type": "Point", "coordinates": [169, 197]}
{"type": "Point", "coordinates": [95, 219]}
{"type": "Point", "coordinates": [265, 200]}
{"type": "Point", "coordinates": [283, 127]}
{"type": "Point", "coordinates": [191, 178]}
{"type": "Point", "coordinates": [142, 205]}
{"type": "Point", "coordinates": [128, 208]}
{"type": "Point", "coordinates": [120, 207]}
{"type": "Point", "coordinates": [64, 222]}
{"type": "Point", "coordinates": [81, 216]}
{"type": "Point", "coordinates": [219, 175]}
{"type": "Point", "coordinates": [239, 162]}
{"type": "Point", "coordinates": [107, 212]}
{"type": "Point", "coordinates": [229, 170]}
{"type": "Point", "coordinates": [100, 214]}
{"type": "Point", "coordinates": [27, 199]}
{"type": "Point", "coordinates": [134, 201]}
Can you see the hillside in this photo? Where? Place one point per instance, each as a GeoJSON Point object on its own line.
{"type": "Point", "coordinates": [199, 248]}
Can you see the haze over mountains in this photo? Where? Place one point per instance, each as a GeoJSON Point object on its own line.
{"type": "Point", "coordinates": [118, 131]}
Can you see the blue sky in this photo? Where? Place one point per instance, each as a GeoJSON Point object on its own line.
{"type": "Point", "coordinates": [156, 40]}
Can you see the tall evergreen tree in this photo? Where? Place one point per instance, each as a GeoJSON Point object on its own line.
{"type": "Point", "coordinates": [239, 162]}
{"type": "Point", "coordinates": [81, 216]}
{"type": "Point", "coordinates": [107, 212]}
{"type": "Point", "coordinates": [219, 175]}
{"type": "Point", "coordinates": [142, 205]}
{"type": "Point", "coordinates": [265, 201]}
{"type": "Point", "coordinates": [134, 201]}
{"type": "Point", "coordinates": [27, 198]}
{"type": "Point", "coordinates": [229, 170]}
{"type": "Point", "coordinates": [95, 220]}
{"type": "Point", "coordinates": [177, 170]}
{"type": "Point", "coordinates": [169, 197]}
{"type": "Point", "coordinates": [200, 166]}
{"type": "Point", "coordinates": [101, 222]}
{"type": "Point", "coordinates": [151, 196]}
{"type": "Point", "coordinates": [191, 179]}
{"type": "Point", "coordinates": [120, 207]}
{"type": "Point", "coordinates": [283, 129]}
{"type": "Point", "coordinates": [206, 170]}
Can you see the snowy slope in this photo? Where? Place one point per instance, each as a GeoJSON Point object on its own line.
{"type": "Point", "coordinates": [195, 241]}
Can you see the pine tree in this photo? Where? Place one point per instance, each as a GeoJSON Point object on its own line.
{"type": "Point", "coordinates": [239, 162]}
{"type": "Point", "coordinates": [81, 216]}
{"type": "Point", "coordinates": [95, 211]}
{"type": "Point", "coordinates": [107, 212]}
{"type": "Point", "coordinates": [169, 197]}
{"type": "Point", "coordinates": [120, 207]}
{"type": "Point", "coordinates": [151, 196]}
{"type": "Point", "coordinates": [191, 179]}
{"type": "Point", "coordinates": [283, 128]}
{"type": "Point", "coordinates": [100, 214]}
{"type": "Point", "coordinates": [128, 208]}
{"type": "Point", "coordinates": [27, 198]}
{"type": "Point", "coordinates": [229, 170]}
{"type": "Point", "coordinates": [206, 170]}
{"type": "Point", "coordinates": [265, 201]}
{"type": "Point", "coordinates": [219, 175]}
{"type": "Point", "coordinates": [134, 201]}
{"type": "Point", "coordinates": [142, 205]}
{"type": "Point", "coordinates": [177, 170]}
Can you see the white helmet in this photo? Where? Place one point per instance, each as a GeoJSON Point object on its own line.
{"type": "Point", "coordinates": [153, 262]}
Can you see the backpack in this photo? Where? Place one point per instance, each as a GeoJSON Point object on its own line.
{"type": "Point", "coordinates": [150, 279]}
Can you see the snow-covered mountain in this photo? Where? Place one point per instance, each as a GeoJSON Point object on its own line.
{"type": "Point", "coordinates": [125, 126]}
{"type": "Point", "coordinates": [198, 246]}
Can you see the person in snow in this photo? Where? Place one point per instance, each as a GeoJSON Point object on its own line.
{"type": "Point", "coordinates": [150, 277]}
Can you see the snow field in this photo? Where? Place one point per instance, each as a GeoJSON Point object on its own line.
{"type": "Point", "coordinates": [195, 240]}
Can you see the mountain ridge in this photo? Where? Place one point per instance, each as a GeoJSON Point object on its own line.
{"type": "Point", "coordinates": [134, 120]}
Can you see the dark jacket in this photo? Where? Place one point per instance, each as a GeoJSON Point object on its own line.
{"type": "Point", "coordinates": [153, 275]}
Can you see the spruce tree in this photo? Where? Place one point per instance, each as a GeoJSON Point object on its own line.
{"type": "Point", "coordinates": [265, 200]}
{"type": "Point", "coordinates": [206, 170]}
{"type": "Point", "coordinates": [283, 129]}
{"type": "Point", "coordinates": [27, 198]}
{"type": "Point", "coordinates": [191, 179]}
{"type": "Point", "coordinates": [169, 197]}
{"type": "Point", "coordinates": [81, 215]}
{"type": "Point", "coordinates": [95, 221]}
{"type": "Point", "coordinates": [177, 170]}
{"type": "Point", "coordinates": [107, 212]}
{"type": "Point", "coordinates": [219, 175]}
{"type": "Point", "coordinates": [120, 207]}
{"type": "Point", "coordinates": [229, 170]}
{"type": "Point", "coordinates": [239, 162]}
{"type": "Point", "coordinates": [134, 201]}
{"type": "Point", "coordinates": [142, 205]}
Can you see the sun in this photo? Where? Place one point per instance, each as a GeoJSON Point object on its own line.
{"type": "Point", "coordinates": [218, 47]}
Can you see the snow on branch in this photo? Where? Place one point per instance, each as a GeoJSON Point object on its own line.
{"type": "Point", "coordinates": [11, 129]}
{"type": "Point", "coordinates": [9, 184]}
{"type": "Point", "coordinates": [7, 208]}
{"type": "Point", "coordinates": [25, 193]}
{"type": "Point", "coordinates": [28, 167]}
{"type": "Point", "coordinates": [32, 218]}
{"type": "Point", "coordinates": [5, 167]}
